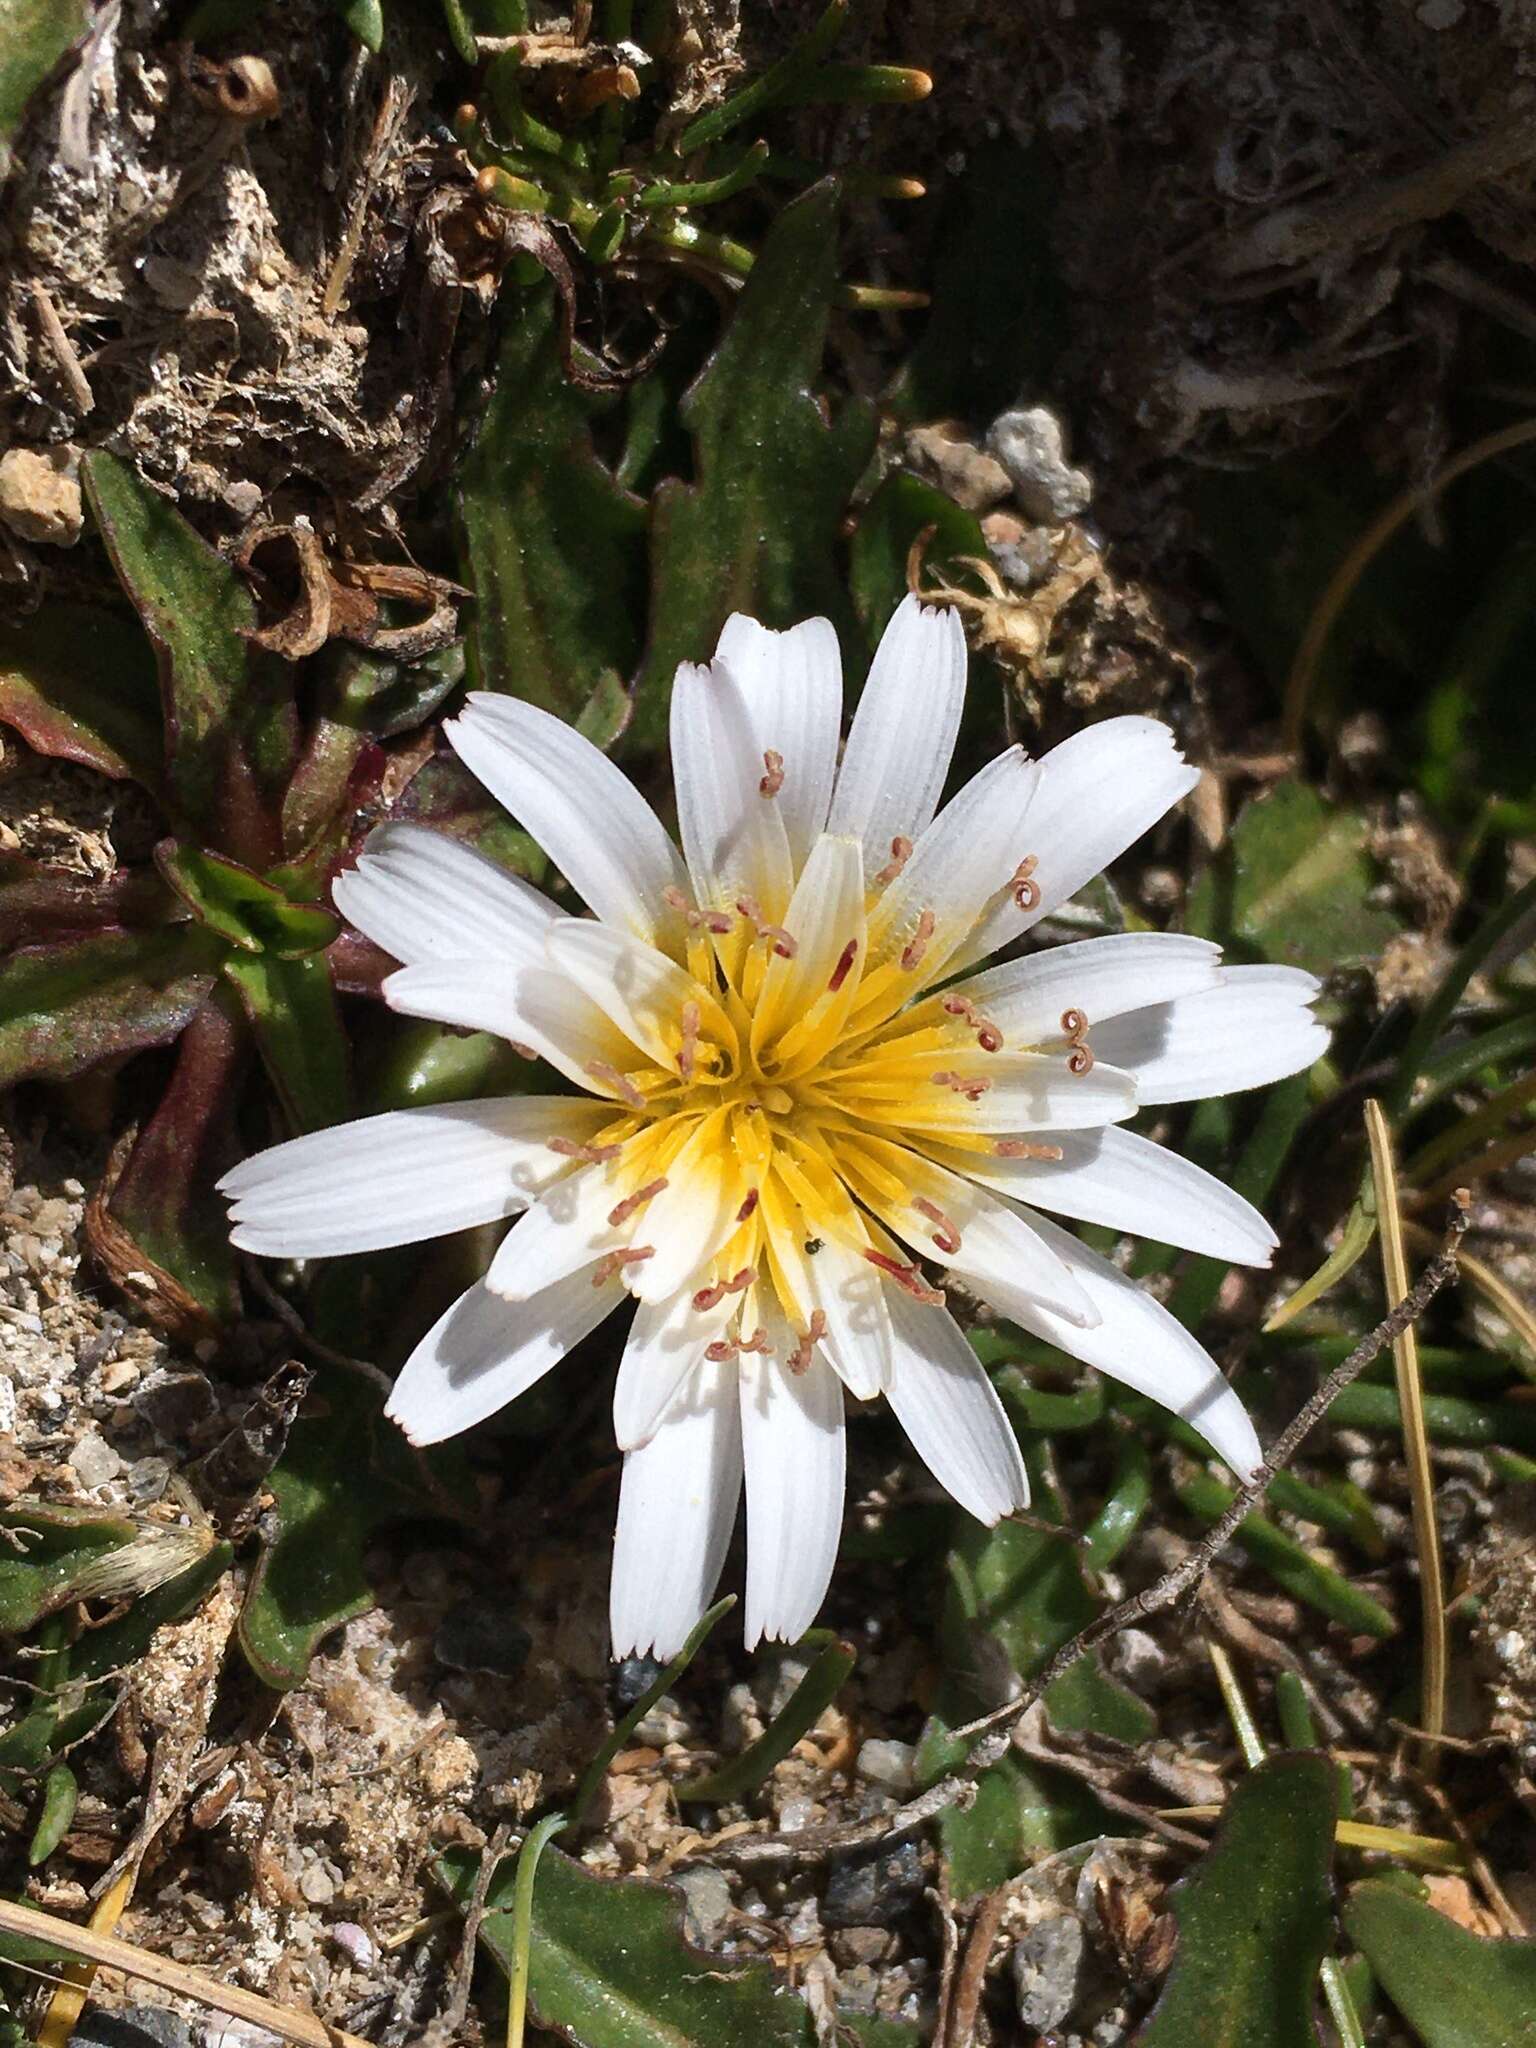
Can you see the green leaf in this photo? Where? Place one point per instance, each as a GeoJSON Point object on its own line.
{"type": "Point", "coordinates": [805, 1706]}
{"type": "Point", "coordinates": [554, 548]}
{"type": "Point", "coordinates": [164, 1197]}
{"type": "Point", "coordinates": [34, 35]}
{"type": "Point", "coordinates": [79, 687]}
{"type": "Point", "coordinates": [610, 1967]}
{"type": "Point", "coordinates": [240, 906]}
{"type": "Point", "coordinates": [757, 531]}
{"type": "Point", "coordinates": [59, 1549]}
{"type": "Point", "coordinates": [228, 712]}
{"type": "Point", "coordinates": [292, 1010]}
{"type": "Point", "coordinates": [898, 512]}
{"type": "Point", "coordinates": [1455, 1989]}
{"type": "Point", "coordinates": [999, 315]}
{"type": "Point", "coordinates": [1254, 1917]}
{"type": "Point", "coordinates": [61, 1793]}
{"type": "Point", "coordinates": [343, 1475]}
{"type": "Point", "coordinates": [64, 1007]}
{"type": "Point", "coordinates": [1294, 884]}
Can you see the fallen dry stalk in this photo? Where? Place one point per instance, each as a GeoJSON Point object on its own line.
{"type": "Point", "coordinates": [109, 1953]}
{"type": "Point", "coordinates": [992, 1735]}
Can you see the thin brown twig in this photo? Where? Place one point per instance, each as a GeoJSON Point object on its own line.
{"type": "Point", "coordinates": [991, 1736]}
{"type": "Point", "coordinates": [458, 2005]}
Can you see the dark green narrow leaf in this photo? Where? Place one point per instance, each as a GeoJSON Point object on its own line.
{"type": "Point", "coordinates": [292, 1009]}
{"type": "Point", "coordinates": [164, 1198]}
{"type": "Point", "coordinates": [1453, 1988]}
{"type": "Point", "coordinates": [78, 682]}
{"type": "Point", "coordinates": [64, 1007]}
{"type": "Point", "coordinates": [1254, 1917]}
{"type": "Point", "coordinates": [554, 548]}
{"type": "Point", "coordinates": [242, 907]}
{"type": "Point", "coordinates": [228, 711]}
{"type": "Point", "coordinates": [805, 1706]}
{"type": "Point", "coordinates": [758, 529]}
{"type": "Point", "coordinates": [34, 34]}
{"type": "Point", "coordinates": [61, 1792]}
{"type": "Point", "coordinates": [610, 1967]}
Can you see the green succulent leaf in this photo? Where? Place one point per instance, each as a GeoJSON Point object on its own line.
{"type": "Point", "coordinates": [609, 1966]}
{"type": "Point", "coordinates": [758, 528]}
{"type": "Point", "coordinates": [1294, 884]}
{"type": "Point", "coordinates": [344, 1474]}
{"type": "Point", "coordinates": [1254, 1917]}
{"type": "Point", "coordinates": [34, 35]}
{"type": "Point", "coordinates": [250, 912]}
{"type": "Point", "coordinates": [164, 1197]}
{"type": "Point", "coordinates": [1455, 1989]}
{"type": "Point", "coordinates": [292, 1009]}
{"type": "Point", "coordinates": [49, 1554]}
{"type": "Point", "coordinates": [78, 687]}
{"type": "Point", "coordinates": [553, 547]}
{"type": "Point", "coordinates": [66, 1006]}
{"type": "Point", "coordinates": [228, 710]}
{"type": "Point", "coordinates": [61, 1793]}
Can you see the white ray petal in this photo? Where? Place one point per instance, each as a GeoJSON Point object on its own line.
{"type": "Point", "coordinates": [793, 686]}
{"type": "Point", "coordinates": [423, 896]}
{"type": "Point", "coordinates": [667, 1340]}
{"type": "Point", "coordinates": [792, 1449]}
{"type": "Point", "coordinates": [532, 1006]}
{"type": "Point", "coordinates": [903, 732]}
{"type": "Point", "coordinates": [1124, 1181]}
{"type": "Point", "coordinates": [677, 1507]}
{"type": "Point", "coordinates": [403, 1176]}
{"type": "Point", "coordinates": [1025, 1091]}
{"type": "Point", "coordinates": [638, 989]}
{"type": "Point", "coordinates": [586, 814]}
{"type": "Point", "coordinates": [1141, 1345]}
{"type": "Point", "coordinates": [485, 1352]}
{"type": "Point", "coordinates": [825, 917]}
{"type": "Point", "coordinates": [967, 853]}
{"type": "Point", "coordinates": [1101, 977]}
{"type": "Point", "coordinates": [950, 1410]}
{"type": "Point", "coordinates": [1100, 791]}
{"type": "Point", "coordinates": [695, 1213]}
{"type": "Point", "coordinates": [1253, 1028]}
{"type": "Point", "coordinates": [733, 835]}
{"type": "Point", "coordinates": [564, 1231]}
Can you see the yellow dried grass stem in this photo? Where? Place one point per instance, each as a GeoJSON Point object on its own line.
{"type": "Point", "coordinates": [1410, 1394]}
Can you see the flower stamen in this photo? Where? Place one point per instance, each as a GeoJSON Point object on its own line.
{"type": "Point", "coordinates": [945, 1236]}
{"type": "Point", "coordinates": [609, 1076]}
{"type": "Point", "coordinates": [901, 853]}
{"type": "Point", "coordinates": [687, 1052]}
{"type": "Point", "coordinates": [708, 920]}
{"type": "Point", "coordinates": [783, 944]}
{"type": "Point", "coordinates": [758, 1341]}
{"type": "Point", "coordinates": [912, 953]}
{"type": "Point", "coordinates": [773, 781]}
{"type": "Point", "coordinates": [1080, 1055]}
{"type": "Point", "coordinates": [799, 1359]}
{"type": "Point", "coordinates": [1025, 1148]}
{"type": "Point", "coordinates": [1026, 893]}
{"type": "Point", "coordinates": [988, 1037]}
{"type": "Point", "coordinates": [622, 1211]}
{"type": "Point", "coordinates": [594, 1155]}
{"type": "Point", "coordinates": [747, 1206]}
{"type": "Point", "coordinates": [844, 967]}
{"type": "Point", "coordinates": [615, 1262]}
{"type": "Point", "coordinates": [972, 1087]}
{"type": "Point", "coordinates": [908, 1278]}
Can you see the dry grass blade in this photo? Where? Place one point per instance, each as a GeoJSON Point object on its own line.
{"type": "Point", "coordinates": [1495, 1158]}
{"type": "Point", "coordinates": [68, 2001]}
{"type": "Point", "coordinates": [1498, 1294]}
{"type": "Point", "coordinates": [108, 1953]}
{"type": "Point", "coordinates": [1410, 1394]}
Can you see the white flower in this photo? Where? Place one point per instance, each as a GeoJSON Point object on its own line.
{"type": "Point", "coordinates": [793, 1091]}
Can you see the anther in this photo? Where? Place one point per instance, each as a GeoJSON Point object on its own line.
{"type": "Point", "coordinates": [908, 1278]}
{"type": "Point", "coordinates": [773, 781]}
{"type": "Point", "coordinates": [622, 1211]}
{"type": "Point", "coordinates": [970, 1086]}
{"type": "Point", "coordinates": [1025, 1148]}
{"type": "Point", "coordinates": [722, 1351]}
{"type": "Point", "coordinates": [758, 1341]}
{"type": "Point", "coordinates": [594, 1155]}
{"type": "Point", "coordinates": [747, 1206]}
{"type": "Point", "coordinates": [610, 1077]}
{"type": "Point", "coordinates": [783, 944]}
{"type": "Point", "coordinates": [946, 1237]}
{"type": "Point", "coordinates": [708, 1298]}
{"type": "Point", "coordinates": [988, 1037]}
{"type": "Point", "coordinates": [687, 1052]}
{"type": "Point", "coordinates": [740, 1282]}
{"type": "Point", "coordinates": [800, 1358]}
{"type": "Point", "coordinates": [901, 853]}
{"type": "Point", "coordinates": [695, 919]}
{"type": "Point", "coordinates": [844, 967]}
{"type": "Point", "coordinates": [917, 945]}
{"type": "Point", "coordinates": [1026, 893]}
{"type": "Point", "coordinates": [1080, 1056]}
{"type": "Point", "coordinates": [615, 1262]}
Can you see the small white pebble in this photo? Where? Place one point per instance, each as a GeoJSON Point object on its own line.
{"type": "Point", "coordinates": [887, 1763]}
{"type": "Point", "coordinates": [354, 1943]}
